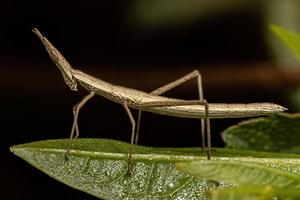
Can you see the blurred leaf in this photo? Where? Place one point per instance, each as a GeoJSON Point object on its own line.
{"type": "Point", "coordinates": [176, 12]}
{"type": "Point", "coordinates": [289, 38]}
{"type": "Point", "coordinates": [294, 97]}
{"type": "Point", "coordinates": [255, 193]}
{"type": "Point", "coordinates": [278, 133]}
{"type": "Point", "coordinates": [246, 172]}
{"type": "Point", "coordinates": [292, 41]}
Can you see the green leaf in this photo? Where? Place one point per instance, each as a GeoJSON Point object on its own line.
{"type": "Point", "coordinates": [245, 173]}
{"type": "Point", "coordinates": [278, 133]}
{"type": "Point", "coordinates": [99, 166]}
{"type": "Point", "coordinates": [255, 193]}
{"type": "Point", "coordinates": [290, 39]}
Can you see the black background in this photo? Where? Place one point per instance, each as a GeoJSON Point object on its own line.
{"type": "Point", "coordinates": [100, 38]}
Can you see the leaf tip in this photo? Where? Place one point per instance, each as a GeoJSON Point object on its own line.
{"type": "Point", "coordinates": [278, 30]}
{"type": "Point", "coordinates": [273, 27]}
{"type": "Point", "coordinates": [15, 149]}
{"type": "Point", "coordinates": [12, 149]}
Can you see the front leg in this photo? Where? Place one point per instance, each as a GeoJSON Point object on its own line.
{"type": "Point", "coordinates": [129, 168]}
{"type": "Point", "coordinates": [76, 110]}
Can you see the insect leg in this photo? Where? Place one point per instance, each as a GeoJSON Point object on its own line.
{"type": "Point", "coordinates": [187, 102]}
{"type": "Point", "coordinates": [208, 133]}
{"type": "Point", "coordinates": [167, 87]}
{"type": "Point", "coordinates": [76, 110]}
{"type": "Point", "coordinates": [132, 137]}
{"type": "Point", "coordinates": [138, 127]}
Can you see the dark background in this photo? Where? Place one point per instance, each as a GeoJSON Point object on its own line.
{"type": "Point", "coordinates": [106, 39]}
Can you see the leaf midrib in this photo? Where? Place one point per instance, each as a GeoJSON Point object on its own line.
{"type": "Point", "coordinates": [152, 156]}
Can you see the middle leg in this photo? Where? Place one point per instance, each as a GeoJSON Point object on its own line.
{"type": "Point", "coordinates": [165, 88]}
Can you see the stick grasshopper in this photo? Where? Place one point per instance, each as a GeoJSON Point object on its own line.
{"type": "Point", "coordinates": [151, 102]}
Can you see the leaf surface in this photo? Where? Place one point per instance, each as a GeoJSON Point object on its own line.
{"type": "Point", "coordinates": [255, 193]}
{"type": "Point", "coordinates": [245, 172]}
{"type": "Point", "coordinates": [99, 166]}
